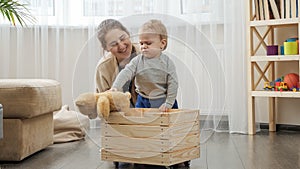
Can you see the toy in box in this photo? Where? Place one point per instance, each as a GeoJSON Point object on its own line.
{"type": "Point", "coordinates": [148, 136]}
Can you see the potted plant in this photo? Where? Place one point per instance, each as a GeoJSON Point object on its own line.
{"type": "Point", "coordinates": [14, 11]}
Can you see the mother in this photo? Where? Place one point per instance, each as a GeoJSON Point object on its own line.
{"type": "Point", "coordinates": [115, 39]}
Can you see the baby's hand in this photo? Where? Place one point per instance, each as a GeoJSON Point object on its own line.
{"type": "Point", "coordinates": [163, 108]}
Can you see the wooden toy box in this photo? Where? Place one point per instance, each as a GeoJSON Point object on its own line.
{"type": "Point", "coordinates": [148, 136]}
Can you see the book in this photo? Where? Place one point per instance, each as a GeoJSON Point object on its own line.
{"type": "Point", "coordinates": [256, 10]}
{"type": "Point", "coordinates": [261, 10]}
{"type": "Point", "coordinates": [297, 8]}
{"type": "Point", "coordinates": [287, 8]}
{"type": "Point", "coordinates": [293, 8]}
{"type": "Point", "coordinates": [274, 9]}
{"type": "Point", "coordinates": [266, 10]}
{"type": "Point", "coordinates": [282, 9]}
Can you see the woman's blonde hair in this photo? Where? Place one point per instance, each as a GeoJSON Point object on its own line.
{"type": "Point", "coordinates": [156, 27]}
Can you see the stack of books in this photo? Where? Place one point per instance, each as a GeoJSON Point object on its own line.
{"type": "Point", "coordinates": [276, 9]}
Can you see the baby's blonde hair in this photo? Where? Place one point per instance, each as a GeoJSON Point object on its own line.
{"type": "Point", "coordinates": [156, 27]}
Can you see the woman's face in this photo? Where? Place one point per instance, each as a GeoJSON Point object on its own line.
{"type": "Point", "coordinates": [119, 44]}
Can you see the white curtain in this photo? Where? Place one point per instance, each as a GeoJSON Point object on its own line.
{"type": "Point", "coordinates": [206, 42]}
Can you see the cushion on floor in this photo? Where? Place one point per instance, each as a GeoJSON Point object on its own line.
{"type": "Point", "coordinates": [69, 125]}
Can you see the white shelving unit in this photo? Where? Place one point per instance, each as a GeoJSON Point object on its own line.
{"type": "Point", "coordinates": [261, 68]}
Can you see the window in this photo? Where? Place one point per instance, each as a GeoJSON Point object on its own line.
{"type": "Point", "coordinates": [116, 7]}
{"type": "Point", "coordinates": [192, 6]}
{"type": "Point", "coordinates": [41, 7]}
{"type": "Point", "coordinates": [87, 12]}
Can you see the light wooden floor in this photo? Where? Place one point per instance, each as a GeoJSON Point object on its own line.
{"type": "Point", "coordinates": [280, 150]}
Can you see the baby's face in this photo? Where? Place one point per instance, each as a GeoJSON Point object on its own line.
{"type": "Point", "coordinates": [151, 44]}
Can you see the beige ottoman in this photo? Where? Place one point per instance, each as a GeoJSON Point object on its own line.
{"type": "Point", "coordinates": [28, 106]}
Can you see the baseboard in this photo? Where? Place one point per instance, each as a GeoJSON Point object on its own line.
{"type": "Point", "coordinates": [281, 127]}
{"type": "Point", "coordinates": [224, 124]}
{"type": "Point", "coordinates": [210, 121]}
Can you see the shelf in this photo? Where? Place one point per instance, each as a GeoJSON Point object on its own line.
{"type": "Point", "coordinates": [275, 22]}
{"type": "Point", "coordinates": [262, 33]}
{"type": "Point", "coordinates": [287, 94]}
{"type": "Point", "coordinates": [275, 58]}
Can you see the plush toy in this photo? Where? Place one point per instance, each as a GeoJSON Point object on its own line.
{"type": "Point", "coordinates": [101, 104]}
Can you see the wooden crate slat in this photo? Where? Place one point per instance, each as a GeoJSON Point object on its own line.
{"type": "Point", "coordinates": [152, 117]}
{"type": "Point", "coordinates": [164, 159]}
{"type": "Point", "coordinates": [140, 145]}
{"type": "Point", "coordinates": [143, 131]}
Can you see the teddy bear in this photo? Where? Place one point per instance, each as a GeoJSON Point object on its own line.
{"type": "Point", "coordinates": [101, 104]}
